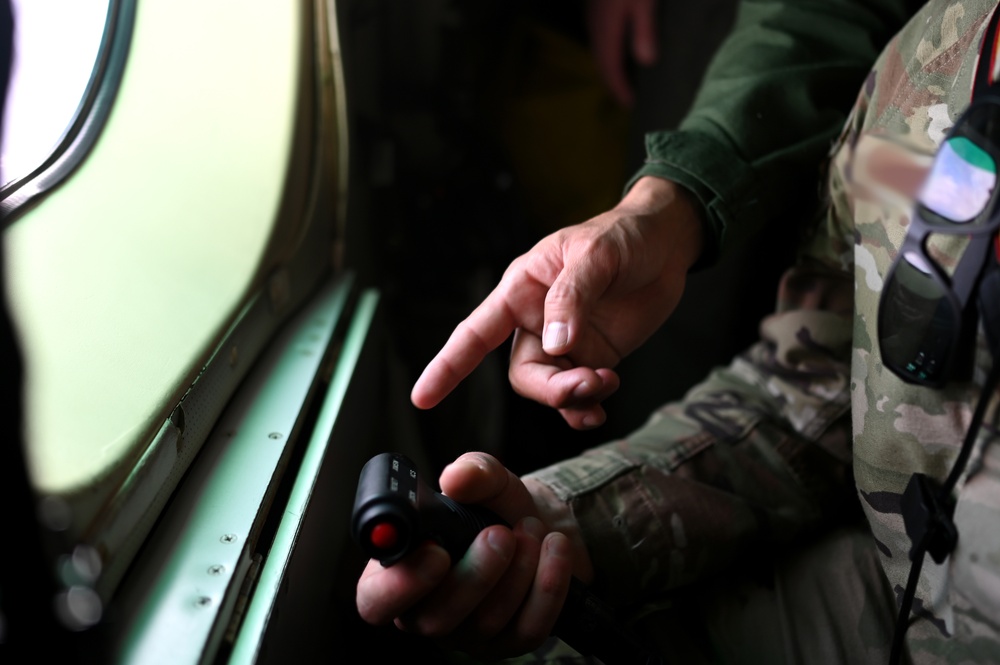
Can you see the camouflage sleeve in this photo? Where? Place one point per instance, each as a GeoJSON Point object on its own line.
{"type": "Point", "coordinates": [776, 95]}
{"type": "Point", "coordinates": [750, 459]}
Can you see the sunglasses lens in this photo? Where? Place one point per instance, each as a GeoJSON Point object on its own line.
{"type": "Point", "coordinates": [918, 322]}
{"type": "Point", "coordinates": [963, 176]}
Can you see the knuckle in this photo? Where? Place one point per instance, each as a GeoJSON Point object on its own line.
{"type": "Point", "coordinates": [551, 586]}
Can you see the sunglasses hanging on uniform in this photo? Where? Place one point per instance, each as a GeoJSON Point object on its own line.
{"type": "Point", "coordinates": [928, 318]}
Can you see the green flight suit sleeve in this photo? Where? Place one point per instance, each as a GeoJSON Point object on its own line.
{"type": "Point", "coordinates": [774, 98]}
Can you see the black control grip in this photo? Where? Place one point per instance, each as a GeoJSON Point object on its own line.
{"type": "Point", "coordinates": [394, 512]}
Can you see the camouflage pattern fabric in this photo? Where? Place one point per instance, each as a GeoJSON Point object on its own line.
{"type": "Point", "coordinates": [758, 458]}
{"type": "Point", "coordinates": [917, 90]}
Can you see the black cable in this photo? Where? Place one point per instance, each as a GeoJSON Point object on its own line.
{"type": "Point", "coordinates": [902, 620]}
{"type": "Point", "coordinates": [943, 498]}
{"type": "Point", "coordinates": [989, 306]}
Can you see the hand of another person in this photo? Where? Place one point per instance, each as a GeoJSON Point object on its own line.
{"type": "Point", "coordinates": [504, 596]}
{"type": "Point", "coordinates": [610, 23]}
{"type": "Point", "coordinates": [580, 300]}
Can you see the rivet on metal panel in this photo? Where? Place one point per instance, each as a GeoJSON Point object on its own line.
{"type": "Point", "coordinates": [81, 568]}
{"type": "Point", "coordinates": [55, 513]}
{"type": "Point", "coordinates": [86, 563]}
{"type": "Point", "coordinates": [274, 435]}
{"type": "Point", "coordinates": [229, 538]}
{"type": "Point", "coordinates": [79, 607]}
{"type": "Point", "coordinates": [203, 601]}
{"type": "Point", "coordinates": [216, 569]}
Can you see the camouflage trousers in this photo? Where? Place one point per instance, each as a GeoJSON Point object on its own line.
{"type": "Point", "coordinates": [826, 602]}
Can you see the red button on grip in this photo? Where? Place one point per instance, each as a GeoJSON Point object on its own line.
{"type": "Point", "coordinates": [384, 536]}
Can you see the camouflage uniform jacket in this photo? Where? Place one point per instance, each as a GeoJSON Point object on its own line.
{"type": "Point", "coordinates": [780, 443]}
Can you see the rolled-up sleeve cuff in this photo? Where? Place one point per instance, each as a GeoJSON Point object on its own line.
{"type": "Point", "coordinates": [720, 180]}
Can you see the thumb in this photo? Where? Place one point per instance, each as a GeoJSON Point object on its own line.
{"type": "Point", "coordinates": [481, 479]}
{"type": "Point", "coordinates": [568, 302]}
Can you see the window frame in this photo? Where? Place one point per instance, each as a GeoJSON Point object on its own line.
{"type": "Point", "coordinates": [87, 123]}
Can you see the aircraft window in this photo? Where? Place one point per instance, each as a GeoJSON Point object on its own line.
{"type": "Point", "coordinates": [189, 216]}
{"type": "Point", "coordinates": [56, 45]}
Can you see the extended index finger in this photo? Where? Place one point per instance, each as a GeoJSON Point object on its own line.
{"type": "Point", "coordinates": [486, 328]}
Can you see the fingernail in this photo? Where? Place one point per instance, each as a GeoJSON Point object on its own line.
{"type": "Point", "coordinates": [534, 528]}
{"type": "Point", "coordinates": [581, 390]}
{"type": "Point", "coordinates": [500, 545]}
{"type": "Point", "coordinates": [555, 337]}
{"type": "Point", "coordinates": [470, 459]}
{"type": "Point", "coordinates": [558, 547]}
{"type": "Point", "coordinates": [592, 421]}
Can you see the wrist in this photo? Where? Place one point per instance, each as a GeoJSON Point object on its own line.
{"type": "Point", "coordinates": [675, 213]}
{"type": "Point", "coordinates": [557, 515]}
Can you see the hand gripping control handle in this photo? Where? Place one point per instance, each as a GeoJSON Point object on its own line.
{"type": "Point", "coordinates": [394, 511]}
